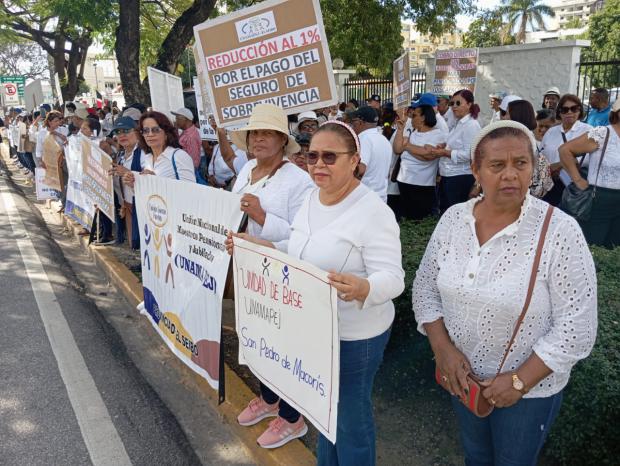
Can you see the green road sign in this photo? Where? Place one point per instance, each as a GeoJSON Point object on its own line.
{"type": "Point", "coordinates": [20, 81]}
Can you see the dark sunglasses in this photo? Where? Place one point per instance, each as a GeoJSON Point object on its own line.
{"type": "Point", "coordinates": [124, 131]}
{"type": "Point", "coordinates": [154, 130]}
{"type": "Point", "coordinates": [571, 109]}
{"type": "Point", "coordinates": [456, 103]}
{"type": "Point", "coordinates": [328, 158]}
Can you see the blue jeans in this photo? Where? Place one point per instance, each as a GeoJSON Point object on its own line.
{"type": "Point", "coordinates": [355, 437]}
{"type": "Point", "coordinates": [510, 436]}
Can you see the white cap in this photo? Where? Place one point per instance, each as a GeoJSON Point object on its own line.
{"type": "Point", "coordinates": [184, 112]}
{"type": "Point", "coordinates": [132, 113]}
{"type": "Point", "coordinates": [506, 100]}
{"type": "Point", "coordinates": [303, 116]}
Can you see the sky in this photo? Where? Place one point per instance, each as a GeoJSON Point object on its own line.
{"type": "Point", "coordinates": [463, 21]}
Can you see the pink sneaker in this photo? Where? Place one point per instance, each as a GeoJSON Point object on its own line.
{"type": "Point", "coordinates": [281, 432]}
{"type": "Point", "coordinates": [257, 410]}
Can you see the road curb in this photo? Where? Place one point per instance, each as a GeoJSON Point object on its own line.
{"type": "Point", "coordinates": [238, 394]}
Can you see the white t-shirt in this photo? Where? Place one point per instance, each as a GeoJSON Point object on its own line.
{"type": "Point", "coordinates": [552, 140]}
{"type": "Point", "coordinates": [609, 175]}
{"type": "Point", "coordinates": [163, 166]}
{"type": "Point", "coordinates": [441, 124]}
{"type": "Point", "coordinates": [376, 154]}
{"type": "Point", "coordinates": [392, 189]}
{"type": "Point", "coordinates": [418, 172]}
{"type": "Point", "coordinates": [220, 169]}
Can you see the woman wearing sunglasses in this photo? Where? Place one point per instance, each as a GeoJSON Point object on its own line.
{"type": "Point", "coordinates": [455, 160]}
{"type": "Point", "coordinates": [345, 228]}
{"type": "Point", "coordinates": [164, 156]}
{"type": "Point", "coordinates": [273, 190]}
{"type": "Point", "coordinates": [569, 111]}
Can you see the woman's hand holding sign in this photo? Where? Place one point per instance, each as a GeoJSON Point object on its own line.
{"type": "Point", "coordinates": [350, 287]}
{"type": "Point", "coordinates": [228, 242]}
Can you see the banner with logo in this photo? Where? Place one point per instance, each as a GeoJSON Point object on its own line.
{"type": "Point", "coordinates": [166, 92]}
{"type": "Point", "coordinates": [183, 227]}
{"type": "Point", "coordinates": [44, 192]}
{"type": "Point", "coordinates": [79, 206]}
{"type": "Point", "coordinates": [287, 323]}
{"type": "Point", "coordinates": [51, 157]}
{"type": "Point", "coordinates": [96, 183]}
{"type": "Point", "coordinates": [455, 70]}
{"type": "Point", "coordinates": [402, 82]}
{"type": "Point", "coordinates": [274, 52]}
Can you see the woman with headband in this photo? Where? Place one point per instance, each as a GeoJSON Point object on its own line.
{"type": "Point", "coordinates": [345, 228]}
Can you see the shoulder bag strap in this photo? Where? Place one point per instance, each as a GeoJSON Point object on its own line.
{"type": "Point", "coordinates": [280, 165]}
{"type": "Point", "coordinates": [530, 289]}
{"type": "Point", "coordinates": [174, 165]}
{"type": "Point", "coordinates": [600, 161]}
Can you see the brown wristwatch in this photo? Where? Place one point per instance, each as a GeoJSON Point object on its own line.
{"type": "Point", "coordinates": [518, 384]}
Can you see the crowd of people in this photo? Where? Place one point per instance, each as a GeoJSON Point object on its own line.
{"type": "Point", "coordinates": [504, 319]}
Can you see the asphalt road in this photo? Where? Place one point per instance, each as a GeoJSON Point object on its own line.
{"type": "Point", "coordinates": [70, 394]}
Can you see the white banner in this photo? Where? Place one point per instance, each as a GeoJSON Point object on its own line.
{"type": "Point", "coordinates": [79, 206]}
{"type": "Point", "coordinates": [33, 95]}
{"type": "Point", "coordinates": [183, 227]}
{"type": "Point", "coordinates": [287, 323]}
{"type": "Point", "coordinates": [44, 192]}
{"type": "Point", "coordinates": [166, 92]}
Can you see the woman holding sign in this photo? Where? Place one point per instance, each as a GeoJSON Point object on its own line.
{"type": "Point", "coordinates": [273, 190]}
{"type": "Point", "coordinates": [345, 228]}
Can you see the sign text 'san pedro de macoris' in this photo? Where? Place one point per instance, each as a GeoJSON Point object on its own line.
{"type": "Point", "coordinates": [274, 52]}
{"type": "Point", "coordinates": [184, 265]}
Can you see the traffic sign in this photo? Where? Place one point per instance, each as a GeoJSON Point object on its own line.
{"type": "Point", "coordinates": [19, 81]}
{"type": "Point", "coordinates": [11, 96]}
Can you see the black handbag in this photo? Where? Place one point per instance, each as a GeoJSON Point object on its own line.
{"type": "Point", "coordinates": [577, 202]}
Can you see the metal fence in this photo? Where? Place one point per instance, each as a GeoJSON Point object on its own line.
{"type": "Point", "coordinates": [598, 72]}
{"type": "Point", "coordinates": [361, 89]}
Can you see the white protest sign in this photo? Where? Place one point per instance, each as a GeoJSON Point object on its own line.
{"type": "Point", "coordinates": [166, 92]}
{"type": "Point", "coordinates": [44, 192]}
{"type": "Point", "coordinates": [79, 206]}
{"type": "Point", "coordinates": [96, 182]}
{"type": "Point", "coordinates": [287, 323]}
{"type": "Point", "coordinates": [11, 96]}
{"type": "Point", "coordinates": [206, 130]}
{"type": "Point", "coordinates": [401, 82]}
{"type": "Point", "coordinates": [183, 227]}
{"type": "Point", "coordinates": [33, 95]}
{"type": "Point", "coordinates": [273, 52]}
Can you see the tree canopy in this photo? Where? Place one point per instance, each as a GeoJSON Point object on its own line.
{"type": "Point", "coordinates": [521, 13]}
{"type": "Point", "coordinates": [487, 31]}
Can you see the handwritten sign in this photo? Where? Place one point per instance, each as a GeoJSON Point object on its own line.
{"type": "Point", "coordinates": [455, 70]}
{"type": "Point", "coordinates": [44, 192]}
{"type": "Point", "coordinates": [402, 82]}
{"type": "Point", "coordinates": [274, 52]}
{"type": "Point", "coordinates": [96, 182]}
{"type": "Point", "coordinates": [51, 157]}
{"type": "Point", "coordinates": [183, 227]}
{"type": "Point", "coordinates": [287, 324]}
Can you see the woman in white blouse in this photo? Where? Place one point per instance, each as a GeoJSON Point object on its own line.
{"type": "Point", "coordinates": [418, 167]}
{"type": "Point", "coordinates": [346, 228]}
{"type": "Point", "coordinates": [570, 112]}
{"type": "Point", "coordinates": [603, 226]}
{"type": "Point", "coordinates": [455, 161]}
{"type": "Point", "coordinates": [273, 190]}
{"type": "Point", "coordinates": [164, 156]}
{"type": "Point", "coordinates": [226, 161]}
{"type": "Point", "coordinates": [470, 289]}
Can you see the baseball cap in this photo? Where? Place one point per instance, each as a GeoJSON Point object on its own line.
{"type": "Point", "coordinates": [303, 116]}
{"type": "Point", "coordinates": [185, 113]}
{"type": "Point", "coordinates": [46, 107]}
{"type": "Point", "coordinates": [506, 100]}
{"type": "Point", "coordinates": [425, 99]}
{"type": "Point", "coordinates": [375, 97]}
{"type": "Point", "coordinates": [132, 113]}
{"type": "Point", "coordinates": [499, 95]}
{"type": "Point", "coordinates": [366, 114]}
{"type": "Point", "coordinates": [123, 123]}
{"type": "Point", "coordinates": [553, 90]}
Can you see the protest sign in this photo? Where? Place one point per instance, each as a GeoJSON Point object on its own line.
{"type": "Point", "coordinates": [96, 183]}
{"type": "Point", "coordinates": [79, 206]}
{"type": "Point", "coordinates": [44, 192]}
{"type": "Point", "coordinates": [206, 130]}
{"type": "Point", "coordinates": [402, 82]}
{"type": "Point", "coordinates": [166, 92]}
{"type": "Point", "coordinates": [287, 323]}
{"type": "Point", "coordinates": [51, 158]}
{"type": "Point", "coordinates": [274, 52]}
{"type": "Point", "coordinates": [183, 227]}
{"type": "Point", "coordinates": [33, 95]}
{"type": "Point", "coordinates": [455, 70]}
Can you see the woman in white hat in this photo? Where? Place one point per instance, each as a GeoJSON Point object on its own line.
{"type": "Point", "coordinates": [273, 190]}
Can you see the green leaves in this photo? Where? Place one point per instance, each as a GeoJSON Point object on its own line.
{"type": "Point", "coordinates": [604, 30]}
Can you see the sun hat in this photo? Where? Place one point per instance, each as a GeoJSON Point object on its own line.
{"type": "Point", "coordinates": [499, 95]}
{"type": "Point", "coordinates": [553, 90]}
{"type": "Point", "coordinates": [506, 100]}
{"type": "Point", "coordinates": [502, 124]}
{"type": "Point", "coordinates": [265, 116]}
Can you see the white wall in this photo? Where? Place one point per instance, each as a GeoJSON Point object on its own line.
{"type": "Point", "coordinates": [527, 70]}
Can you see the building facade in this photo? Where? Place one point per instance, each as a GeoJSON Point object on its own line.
{"type": "Point", "coordinates": [422, 46]}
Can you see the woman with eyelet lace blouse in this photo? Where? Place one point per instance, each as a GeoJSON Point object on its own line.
{"type": "Point", "coordinates": [470, 290]}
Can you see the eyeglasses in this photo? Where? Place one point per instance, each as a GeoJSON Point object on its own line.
{"type": "Point", "coordinates": [127, 131]}
{"type": "Point", "coordinates": [456, 103]}
{"type": "Point", "coordinates": [153, 130]}
{"type": "Point", "coordinates": [328, 157]}
{"type": "Point", "coordinates": [571, 109]}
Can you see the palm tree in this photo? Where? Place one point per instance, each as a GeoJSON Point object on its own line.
{"type": "Point", "coordinates": [520, 13]}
